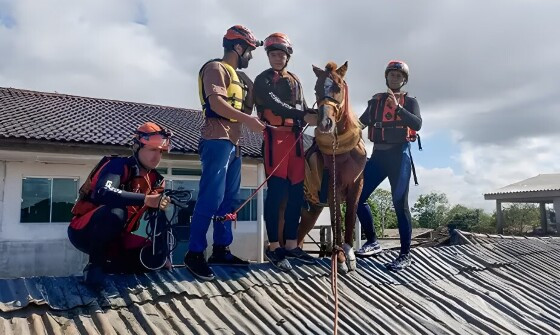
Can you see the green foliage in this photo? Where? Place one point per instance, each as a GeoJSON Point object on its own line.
{"type": "Point", "coordinates": [469, 219]}
{"type": "Point", "coordinates": [521, 218]}
{"type": "Point", "coordinates": [430, 210]}
{"type": "Point", "coordinates": [433, 210]}
{"type": "Point", "coordinates": [381, 205]}
{"type": "Point", "coordinates": [385, 218]}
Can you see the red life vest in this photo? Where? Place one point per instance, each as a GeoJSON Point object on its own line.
{"type": "Point", "coordinates": [387, 126]}
{"type": "Point", "coordinates": [137, 184]}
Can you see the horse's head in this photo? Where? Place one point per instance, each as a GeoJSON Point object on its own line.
{"type": "Point", "coordinates": [331, 94]}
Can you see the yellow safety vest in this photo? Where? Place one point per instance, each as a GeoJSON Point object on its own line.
{"type": "Point", "coordinates": [236, 91]}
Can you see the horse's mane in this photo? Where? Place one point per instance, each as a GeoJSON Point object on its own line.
{"type": "Point", "coordinates": [331, 66]}
{"type": "Point", "coordinates": [351, 119]}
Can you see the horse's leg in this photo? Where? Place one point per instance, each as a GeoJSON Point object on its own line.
{"type": "Point", "coordinates": [308, 221]}
{"type": "Point", "coordinates": [282, 211]}
{"type": "Point", "coordinates": [352, 198]}
{"type": "Point", "coordinates": [351, 208]}
{"type": "Point", "coordinates": [336, 223]}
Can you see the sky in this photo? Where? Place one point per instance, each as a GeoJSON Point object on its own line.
{"type": "Point", "coordinates": [486, 74]}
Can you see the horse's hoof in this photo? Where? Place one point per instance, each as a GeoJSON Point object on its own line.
{"type": "Point", "coordinates": [342, 267]}
{"type": "Point", "coordinates": [351, 264]}
{"type": "Point", "coordinates": [350, 257]}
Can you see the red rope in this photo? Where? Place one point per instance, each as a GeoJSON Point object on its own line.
{"type": "Point", "coordinates": [334, 284]}
{"type": "Point", "coordinates": [233, 215]}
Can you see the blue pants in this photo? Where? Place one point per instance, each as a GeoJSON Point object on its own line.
{"type": "Point", "coordinates": [394, 163]}
{"type": "Point", "coordinates": [218, 192]}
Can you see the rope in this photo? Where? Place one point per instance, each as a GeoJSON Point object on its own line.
{"type": "Point", "coordinates": [233, 216]}
{"type": "Point", "coordinates": [336, 248]}
{"type": "Point", "coordinates": [349, 136]}
{"type": "Point", "coordinates": [346, 141]}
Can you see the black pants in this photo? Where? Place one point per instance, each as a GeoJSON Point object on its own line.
{"type": "Point", "coordinates": [105, 241]}
{"type": "Point", "coordinates": [278, 189]}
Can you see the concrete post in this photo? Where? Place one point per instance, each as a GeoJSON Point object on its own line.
{"type": "Point", "coordinates": [2, 182]}
{"type": "Point", "coordinates": [556, 204]}
{"type": "Point", "coordinates": [260, 214]}
{"type": "Point", "coordinates": [499, 217]}
{"type": "Point", "coordinates": [544, 226]}
{"type": "Point", "coordinates": [358, 234]}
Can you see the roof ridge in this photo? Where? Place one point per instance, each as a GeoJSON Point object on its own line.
{"type": "Point", "coordinates": [64, 95]}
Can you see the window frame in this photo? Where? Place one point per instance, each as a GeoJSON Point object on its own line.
{"type": "Point", "coordinates": [23, 177]}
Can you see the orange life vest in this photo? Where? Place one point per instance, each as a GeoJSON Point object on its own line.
{"type": "Point", "coordinates": [387, 126]}
{"type": "Point", "coordinates": [136, 183]}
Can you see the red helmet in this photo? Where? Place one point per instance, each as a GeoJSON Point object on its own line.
{"type": "Point", "coordinates": [278, 41]}
{"type": "Point", "coordinates": [397, 65]}
{"type": "Point", "coordinates": [240, 33]}
{"type": "Point", "coordinates": [151, 135]}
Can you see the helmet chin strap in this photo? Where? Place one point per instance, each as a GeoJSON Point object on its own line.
{"type": "Point", "coordinates": [286, 65]}
{"type": "Point", "coordinates": [240, 60]}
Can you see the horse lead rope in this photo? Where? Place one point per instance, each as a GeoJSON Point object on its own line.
{"type": "Point", "coordinates": [336, 249]}
{"type": "Point", "coordinates": [233, 216]}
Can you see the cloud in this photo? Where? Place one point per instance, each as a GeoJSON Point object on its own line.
{"type": "Point", "coordinates": [488, 168]}
{"type": "Point", "coordinates": [487, 73]}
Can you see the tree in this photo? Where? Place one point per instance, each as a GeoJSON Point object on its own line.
{"type": "Point", "coordinates": [462, 218]}
{"type": "Point", "coordinates": [520, 218]}
{"type": "Point", "coordinates": [469, 219]}
{"type": "Point", "coordinates": [430, 210]}
{"type": "Point", "coordinates": [486, 223]}
{"type": "Point", "coordinates": [381, 205]}
{"type": "Point", "coordinates": [382, 200]}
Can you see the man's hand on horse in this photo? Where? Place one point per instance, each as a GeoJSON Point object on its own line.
{"type": "Point", "coordinates": [310, 119]}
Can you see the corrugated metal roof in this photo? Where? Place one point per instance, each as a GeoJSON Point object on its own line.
{"type": "Point", "coordinates": [508, 286]}
{"type": "Point", "coordinates": [394, 232]}
{"type": "Point", "coordinates": [498, 238]}
{"type": "Point", "coordinates": [542, 182]}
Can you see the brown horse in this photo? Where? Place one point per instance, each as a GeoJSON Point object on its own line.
{"type": "Point", "coordinates": [341, 151]}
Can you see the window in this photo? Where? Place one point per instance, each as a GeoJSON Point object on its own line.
{"type": "Point", "coordinates": [249, 212]}
{"type": "Point", "coordinates": [191, 185]}
{"type": "Point", "coordinates": [161, 170]}
{"type": "Point", "coordinates": [183, 218]}
{"type": "Point", "coordinates": [186, 171]}
{"type": "Point", "coordinates": [48, 199]}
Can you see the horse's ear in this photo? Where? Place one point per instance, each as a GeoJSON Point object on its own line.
{"type": "Point", "coordinates": [341, 71]}
{"type": "Point", "coordinates": [318, 71]}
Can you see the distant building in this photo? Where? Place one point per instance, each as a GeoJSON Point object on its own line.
{"type": "Point", "coordinates": [542, 189]}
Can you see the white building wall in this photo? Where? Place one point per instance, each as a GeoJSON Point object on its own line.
{"type": "Point", "coordinates": [13, 230]}
{"type": "Point", "coordinates": [2, 179]}
{"type": "Point", "coordinates": [34, 249]}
